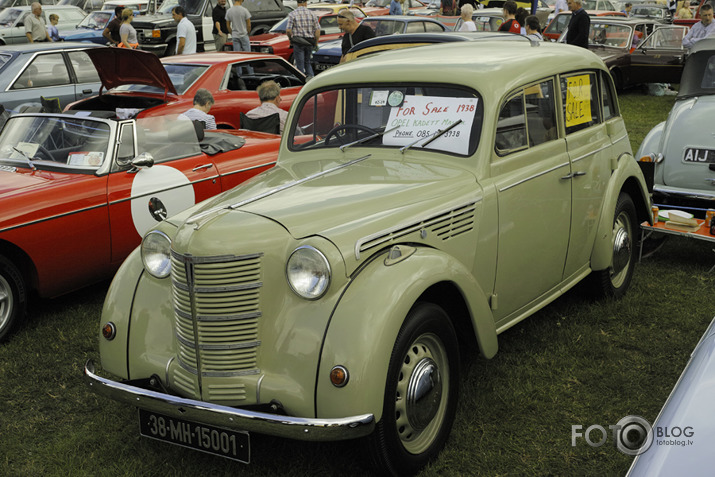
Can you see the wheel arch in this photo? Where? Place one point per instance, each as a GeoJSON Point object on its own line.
{"type": "Point", "coordinates": [627, 178]}
{"type": "Point", "coordinates": [368, 317]}
{"type": "Point", "coordinates": [22, 261]}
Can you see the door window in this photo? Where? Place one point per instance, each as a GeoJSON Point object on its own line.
{"type": "Point", "coordinates": [45, 70]}
{"type": "Point", "coordinates": [83, 67]}
{"type": "Point", "coordinates": [579, 95]}
{"type": "Point", "coordinates": [527, 119]}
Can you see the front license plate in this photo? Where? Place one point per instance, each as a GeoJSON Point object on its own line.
{"type": "Point", "coordinates": [699, 156]}
{"type": "Point", "coordinates": [213, 440]}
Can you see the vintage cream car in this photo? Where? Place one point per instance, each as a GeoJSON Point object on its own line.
{"type": "Point", "coordinates": [424, 200]}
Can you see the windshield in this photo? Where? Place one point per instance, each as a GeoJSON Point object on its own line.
{"type": "Point", "coordinates": [95, 20]}
{"type": "Point", "coordinates": [400, 116]}
{"type": "Point", "coordinates": [53, 141]}
{"type": "Point", "coordinates": [167, 7]}
{"type": "Point", "coordinates": [280, 27]}
{"type": "Point", "coordinates": [9, 16]}
{"type": "Point", "coordinates": [181, 76]}
{"type": "Point", "coordinates": [378, 3]}
{"type": "Point", "coordinates": [610, 34]}
{"type": "Point", "coordinates": [699, 75]}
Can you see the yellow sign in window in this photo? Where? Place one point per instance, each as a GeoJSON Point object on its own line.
{"type": "Point", "coordinates": [578, 100]}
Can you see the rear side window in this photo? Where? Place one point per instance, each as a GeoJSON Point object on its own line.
{"type": "Point", "coordinates": [579, 94]}
{"type": "Point", "coordinates": [609, 98]}
{"type": "Point", "coordinates": [83, 67]}
{"type": "Point", "coordinates": [527, 119]}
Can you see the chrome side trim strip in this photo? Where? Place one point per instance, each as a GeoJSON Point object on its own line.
{"type": "Point", "coordinates": [591, 153]}
{"type": "Point", "coordinates": [526, 179]}
{"type": "Point", "coordinates": [197, 218]}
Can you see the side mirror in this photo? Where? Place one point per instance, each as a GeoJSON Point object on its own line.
{"type": "Point", "coordinates": [143, 161]}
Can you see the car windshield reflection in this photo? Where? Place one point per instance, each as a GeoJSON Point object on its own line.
{"type": "Point", "coordinates": [41, 141]}
{"type": "Point", "coordinates": [406, 117]}
{"type": "Point", "coordinates": [181, 76]}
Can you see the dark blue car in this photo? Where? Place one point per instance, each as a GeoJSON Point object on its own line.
{"type": "Point", "coordinates": [90, 29]}
{"type": "Point", "coordinates": [330, 52]}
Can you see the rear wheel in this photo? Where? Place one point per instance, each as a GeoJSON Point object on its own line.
{"type": "Point", "coordinates": [420, 393]}
{"type": "Point", "coordinates": [12, 297]}
{"type": "Point", "coordinates": [615, 280]}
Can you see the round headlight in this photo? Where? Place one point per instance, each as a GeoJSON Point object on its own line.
{"type": "Point", "coordinates": [156, 254]}
{"type": "Point", "coordinates": [266, 49]}
{"type": "Point", "coordinates": [308, 272]}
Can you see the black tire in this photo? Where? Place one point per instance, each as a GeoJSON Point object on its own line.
{"type": "Point", "coordinates": [13, 298]}
{"type": "Point", "coordinates": [615, 280]}
{"type": "Point", "coordinates": [414, 428]}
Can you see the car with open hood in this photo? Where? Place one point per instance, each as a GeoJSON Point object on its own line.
{"type": "Point", "coordinates": [145, 86]}
{"type": "Point", "coordinates": [413, 210]}
{"type": "Point", "coordinates": [683, 146]}
{"type": "Point", "coordinates": [79, 191]}
{"type": "Point", "coordinates": [637, 51]}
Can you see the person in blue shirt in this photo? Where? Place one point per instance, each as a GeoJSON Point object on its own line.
{"type": "Point", "coordinates": [52, 29]}
{"type": "Point", "coordinates": [395, 8]}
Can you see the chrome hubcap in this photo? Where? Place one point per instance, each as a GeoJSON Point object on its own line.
{"type": "Point", "coordinates": [424, 393]}
{"type": "Point", "coordinates": [622, 246]}
{"type": "Point", "coordinates": [5, 302]}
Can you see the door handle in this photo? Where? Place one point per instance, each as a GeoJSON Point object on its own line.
{"type": "Point", "coordinates": [86, 91]}
{"type": "Point", "coordinates": [571, 175]}
{"type": "Point", "coordinates": [205, 166]}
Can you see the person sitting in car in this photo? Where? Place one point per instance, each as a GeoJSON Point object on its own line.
{"type": "Point", "coordinates": [203, 101]}
{"type": "Point", "coordinates": [270, 95]}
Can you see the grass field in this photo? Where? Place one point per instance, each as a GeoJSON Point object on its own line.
{"type": "Point", "coordinates": [577, 362]}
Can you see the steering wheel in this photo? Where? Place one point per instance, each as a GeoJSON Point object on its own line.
{"type": "Point", "coordinates": [44, 152]}
{"type": "Point", "coordinates": [346, 127]}
{"type": "Point", "coordinates": [282, 81]}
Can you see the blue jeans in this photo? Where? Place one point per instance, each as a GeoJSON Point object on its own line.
{"type": "Point", "coordinates": [241, 43]}
{"type": "Point", "coordinates": [301, 58]}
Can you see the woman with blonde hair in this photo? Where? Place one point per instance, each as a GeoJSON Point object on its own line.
{"type": "Point", "coordinates": [466, 15]}
{"type": "Point", "coordinates": [127, 31]}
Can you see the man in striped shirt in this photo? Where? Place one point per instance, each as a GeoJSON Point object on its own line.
{"type": "Point", "coordinates": [203, 100]}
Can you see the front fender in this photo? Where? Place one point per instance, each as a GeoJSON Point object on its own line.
{"type": "Point", "coordinates": [365, 323]}
{"type": "Point", "coordinates": [627, 176]}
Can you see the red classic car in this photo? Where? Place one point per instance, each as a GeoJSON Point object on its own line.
{"type": "Point", "coordinates": [142, 85]}
{"type": "Point", "coordinates": [79, 190]}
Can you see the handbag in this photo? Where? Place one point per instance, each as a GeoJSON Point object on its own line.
{"type": "Point", "coordinates": [302, 41]}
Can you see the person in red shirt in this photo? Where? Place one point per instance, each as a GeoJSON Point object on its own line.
{"type": "Point", "coordinates": [510, 24]}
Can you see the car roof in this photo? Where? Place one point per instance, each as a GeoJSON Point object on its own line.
{"type": "Point", "coordinates": [218, 57]}
{"type": "Point", "coordinates": [704, 44]}
{"type": "Point", "coordinates": [471, 63]}
{"type": "Point", "coordinates": [444, 37]}
{"type": "Point", "coordinates": [55, 45]}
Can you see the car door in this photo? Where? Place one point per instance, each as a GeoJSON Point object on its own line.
{"type": "Point", "coordinates": [45, 75]}
{"type": "Point", "coordinates": [660, 58]}
{"type": "Point", "coordinates": [529, 167]}
{"type": "Point", "coordinates": [179, 177]}
{"type": "Point", "coordinates": [204, 35]}
{"type": "Point", "coordinates": [590, 149]}
{"type": "Point", "coordinates": [84, 74]}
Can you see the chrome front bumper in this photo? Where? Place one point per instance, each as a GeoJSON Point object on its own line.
{"type": "Point", "coordinates": [229, 417]}
{"type": "Point", "coordinates": [686, 194]}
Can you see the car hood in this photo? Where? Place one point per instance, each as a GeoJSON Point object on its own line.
{"type": "Point", "coordinates": [269, 38]}
{"type": "Point", "coordinates": [681, 135]}
{"type": "Point", "coordinates": [157, 20]}
{"type": "Point", "coordinates": [609, 55]}
{"type": "Point", "coordinates": [330, 48]}
{"type": "Point", "coordinates": [122, 66]}
{"type": "Point", "coordinates": [347, 203]}
{"type": "Point", "coordinates": [12, 182]}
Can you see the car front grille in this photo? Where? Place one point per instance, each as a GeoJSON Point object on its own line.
{"type": "Point", "coordinates": [216, 313]}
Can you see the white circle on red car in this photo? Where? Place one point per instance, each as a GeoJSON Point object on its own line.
{"type": "Point", "coordinates": [157, 193]}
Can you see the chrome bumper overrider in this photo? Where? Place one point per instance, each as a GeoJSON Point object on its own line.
{"type": "Point", "coordinates": [229, 417]}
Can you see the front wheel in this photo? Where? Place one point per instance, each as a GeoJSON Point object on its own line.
{"type": "Point", "coordinates": [420, 393]}
{"type": "Point", "coordinates": [615, 280]}
{"type": "Point", "coordinates": [12, 297]}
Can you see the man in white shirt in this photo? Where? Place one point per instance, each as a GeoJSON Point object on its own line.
{"type": "Point", "coordinates": [185, 32]}
{"type": "Point", "coordinates": [702, 29]}
{"type": "Point", "coordinates": [270, 95]}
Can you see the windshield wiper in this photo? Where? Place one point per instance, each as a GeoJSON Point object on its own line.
{"type": "Point", "coordinates": [367, 138]}
{"type": "Point", "coordinates": [24, 154]}
{"type": "Point", "coordinates": [434, 136]}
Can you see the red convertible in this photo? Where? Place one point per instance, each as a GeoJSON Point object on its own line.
{"type": "Point", "coordinates": [141, 85]}
{"type": "Point", "coordinates": [79, 190]}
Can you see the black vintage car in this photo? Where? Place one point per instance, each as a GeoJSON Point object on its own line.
{"type": "Point", "coordinates": [638, 51]}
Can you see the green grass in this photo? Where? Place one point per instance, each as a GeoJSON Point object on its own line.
{"type": "Point", "coordinates": [577, 362]}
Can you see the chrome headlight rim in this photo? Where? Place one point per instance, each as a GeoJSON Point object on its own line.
{"type": "Point", "coordinates": [324, 284]}
{"type": "Point", "coordinates": [161, 269]}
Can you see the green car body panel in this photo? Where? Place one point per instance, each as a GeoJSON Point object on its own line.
{"type": "Point", "coordinates": [522, 227]}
